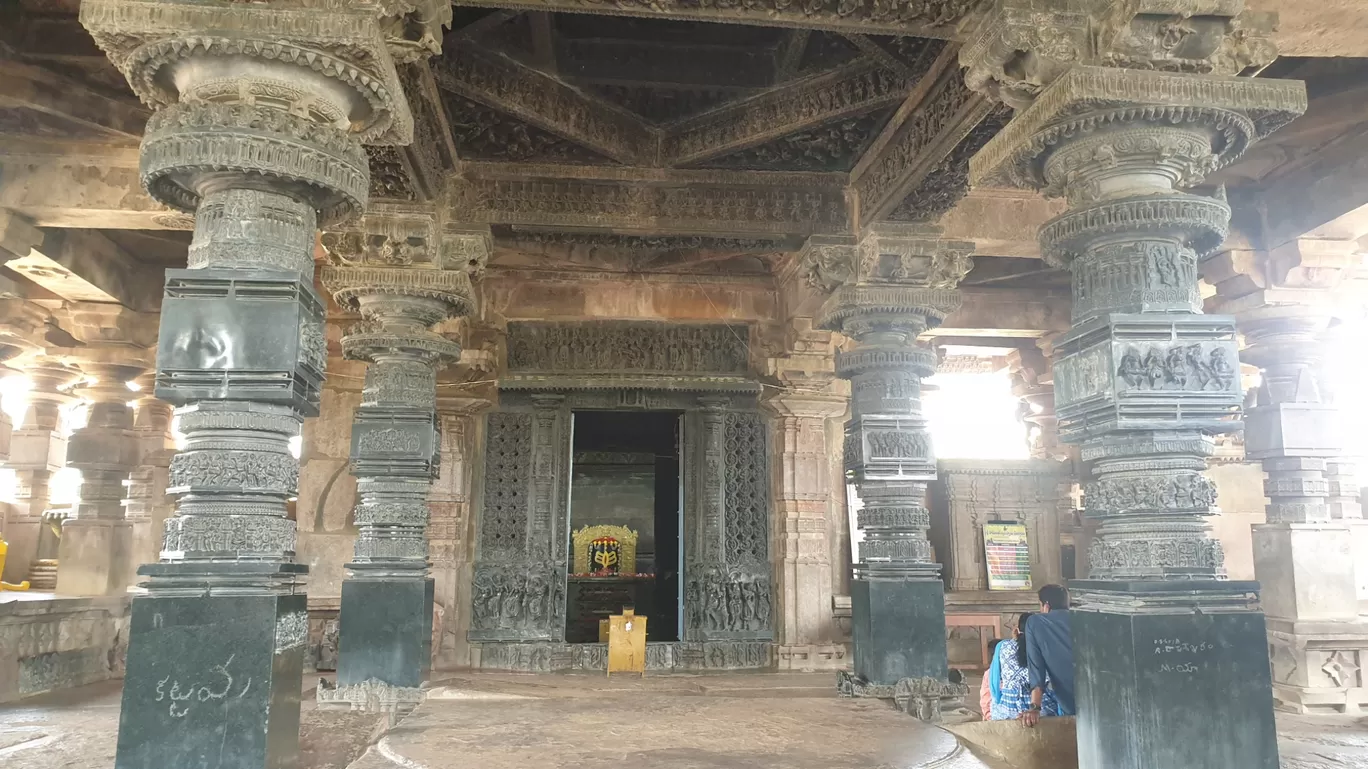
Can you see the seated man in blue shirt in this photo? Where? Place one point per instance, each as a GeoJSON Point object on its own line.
{"type": "Point", "coordinates": [1049, 654]}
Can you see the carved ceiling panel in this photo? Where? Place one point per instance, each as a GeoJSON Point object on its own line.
{"type": "Point", "coordinates": [482, 133]}
{"type": "Point", "coordinates": [948, 182]}
{"type": "Point", "coordinates": [660, 105]}
{"type": "Point", "coordinates": [390, 176]}
{"type": "Point", "coordinates": [831, 147]}
{"type": "Point", "coordinates": [826, 50]}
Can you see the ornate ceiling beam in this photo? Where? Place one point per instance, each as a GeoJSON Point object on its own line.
{"type": "Point", "coordinates": [547, 103]}
{"type": "Point", "coordinates": [799, 105]}
{"type": "Point", "coordinates": [419, 170]}
{"type": "Point", "coordinates": [927, 128]}
{"type": "Point", "coordinates": [948, 182]}
{"type": "Point", "coordinates": [26, 87]}
{"type": "Point", "coordinates": [882, 55]}
{"type": "Point", "coordinates": [827, 180]}
{"type": "Point", "coordinates": [922, 18]}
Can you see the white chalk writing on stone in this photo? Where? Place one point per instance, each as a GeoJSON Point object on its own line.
{"type": "Point", "coordinates": [181, 699]}
{"type": "Point", "coordinates": [1179, 646]}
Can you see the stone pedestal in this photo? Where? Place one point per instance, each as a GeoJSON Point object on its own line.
{"type": "Point", "coordinates": [386, 636]}
{"type": "Point", "coordinates": [214, 680]}
{"type": "Point", "coordinates": [1155, 688]}
{"type": "Point", "coordinates": [1318, 640]}
{"type": "Point", "coordinates": [898, 630]}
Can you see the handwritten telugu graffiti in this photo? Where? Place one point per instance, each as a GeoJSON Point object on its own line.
{"type": "Point", "coordinates": [182, 699]}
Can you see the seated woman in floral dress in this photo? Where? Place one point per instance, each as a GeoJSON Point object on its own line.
{"type": "Point", "coordinates": [1008, 681]}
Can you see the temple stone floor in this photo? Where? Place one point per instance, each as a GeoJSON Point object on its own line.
{"type": "Point", "coordinates": [502, 721]}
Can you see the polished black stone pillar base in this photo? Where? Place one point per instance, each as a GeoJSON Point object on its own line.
{"type": "Point", "coordinates": [385, 632]}
{"type": "Point", "coordinates": [898, 629]}
{"type": "Point", "coordinates": [207, 671]}
{"type": "Point", "coordinates": [1163, 684]}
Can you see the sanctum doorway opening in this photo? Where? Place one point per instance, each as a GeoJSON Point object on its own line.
{"type": "Point", "coordinates": [625, 522]}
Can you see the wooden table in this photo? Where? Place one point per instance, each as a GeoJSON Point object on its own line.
{"type": "Point", "coordinates": [979, 621]}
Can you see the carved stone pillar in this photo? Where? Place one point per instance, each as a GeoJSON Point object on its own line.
{"type": "Point", "coordinates": [884, 292]}
{"type": "Point", "coordinates": [1143, 379]}
{"type": "Point", "coordinates": [148, 505]}
{"type": "Point", "coordinates": [37, 451]}
{"type": "Point", "coordinates": [1033, 383]}
{"type": "Point", "coordinates": [385, 623]}
{"type": "Point", "coordinates": [97, 539]}
{"type": "Point", "coordinates": [22, 327]}
{"type": "Point", "coordinates": [1285, 302]}
{"type": "Point", "coordinates": [803, 408]}
{"type": "Point", "coordinates": [261, 111]}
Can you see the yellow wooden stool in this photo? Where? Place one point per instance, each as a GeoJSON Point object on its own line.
{"type": "Point", "coordinates": [4, 549]}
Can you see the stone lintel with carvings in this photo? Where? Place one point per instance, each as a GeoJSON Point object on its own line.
{"type": "Point", "coordinates": [683, 205]}
{"type": "Point", "coordinates": [922, 18]}
{"type": "Point", "coordinates": [1207, 38]}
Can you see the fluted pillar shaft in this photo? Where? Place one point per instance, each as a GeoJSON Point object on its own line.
{"type": "Point", "coordinates": [385, 630]}
{"type": "Point", "coordinates": [1143, 380]}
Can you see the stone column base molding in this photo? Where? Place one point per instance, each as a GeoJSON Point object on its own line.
{"type": "Point", "coordinates": [1318, 667]}
{"type": "Point", "coordinates": [929, 699]}
{"type": "Point", "coordinates": [369, 696]}
{"type": "Point", "coordinates": [812, 657]}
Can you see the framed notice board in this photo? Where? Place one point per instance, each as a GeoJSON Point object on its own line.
{"type": "Point", "coordinates": [1007, 555]}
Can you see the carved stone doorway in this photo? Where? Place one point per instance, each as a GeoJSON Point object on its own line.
{"type": "Point", "coordinates": [626, 522]}
{"type": "Point", "coordinates": [523, 559]}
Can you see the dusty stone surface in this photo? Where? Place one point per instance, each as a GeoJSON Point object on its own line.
{"type": "Point", "coordinates": [1322, 742]}
{"type": "Point", "coordinates": [713, 722]}
{"type": "Point", "coordinates": [78, 729]}
{"type": "Point", "coordinates": [493, 721]}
